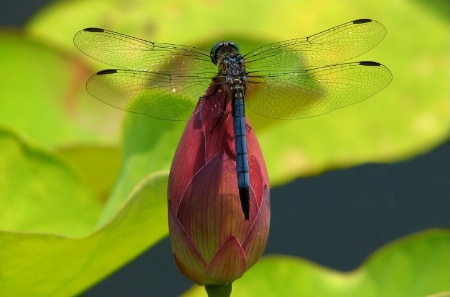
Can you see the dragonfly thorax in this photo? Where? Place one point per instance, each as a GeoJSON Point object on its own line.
{"type": "Point", "coordinates": [232, 68]}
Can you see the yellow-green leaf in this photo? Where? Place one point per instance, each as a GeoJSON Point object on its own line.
{"type": "Point", "coordinates": [414, 266]}
{"type": "Point", "coordinates": [55, 265]}
{"type": "Point", "coordinates": [145, 150]}
{"type": "Point", "coordinates": [98, 165]}
{"type": "Point", "coordinates": [41, 193]}
{"type": "Point", "coordinates": [43, 95]}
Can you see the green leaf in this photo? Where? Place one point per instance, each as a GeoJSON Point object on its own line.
{"type": "Point", "coordinates": [406, 119]}
{"type": "Point", "coordinates": [98, 166]}
{"type": "Point", "coordinates": [417, 265]}
{"type": "Point", "coordinates": [40, 192]}
{"type": "Point", "coordinates": [48, 240]}
{"type": "Point", "coordinates": [43, 95]}
{"type": "Point", "coordinates": [145, 150]}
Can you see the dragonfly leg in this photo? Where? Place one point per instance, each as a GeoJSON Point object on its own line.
{"type": "Point", "coordinates": [221, 115]}
{"type": "Point", "coordinates": [215, 92]}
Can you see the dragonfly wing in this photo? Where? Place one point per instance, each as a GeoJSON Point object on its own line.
{"type": "Point", "coordinates": [331, 46]}
{"type": "Point", "coordinates": [314, 91]}
{"type": "Point", "coordinates": [129, 52]}
{"type": "Point", "coordinates": [159, 95]}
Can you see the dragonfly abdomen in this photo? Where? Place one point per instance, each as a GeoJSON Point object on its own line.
{"type": "Point", "coordinates": [243, 177]}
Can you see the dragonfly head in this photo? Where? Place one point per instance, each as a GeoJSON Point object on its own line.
{"type": "Point", "coordinates": [222, 48]}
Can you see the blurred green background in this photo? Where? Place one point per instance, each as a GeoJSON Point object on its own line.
{"type": "Point", "coordinates": [69, 165]}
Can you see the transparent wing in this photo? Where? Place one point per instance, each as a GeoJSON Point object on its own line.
{"type": "Point", "coordinates": [165, 80]}
{"type": "Point", "coordinates": [128, 52]}
{"type": "Point", "coordinates": [314, 91]}
{"type": "Point", "coordinates": [331, 46]}
{"type": "Point", "coordinates": [159, 95]}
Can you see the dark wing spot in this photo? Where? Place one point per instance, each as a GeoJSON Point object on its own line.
{"type": "Point", "coordinates": [369, 63]}
{"type": "Point", "coordinates": [362, 21]}
{"type": "Point", "coordinates": [107, 71]}
{"type": "Point", "coordinates": [94, 30]}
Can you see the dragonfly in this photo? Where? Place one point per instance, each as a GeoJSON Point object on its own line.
{"type": "Point", "coordinates": [293, 79]}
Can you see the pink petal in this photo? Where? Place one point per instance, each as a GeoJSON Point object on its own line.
{"type": "Point", "coordinates": [229, 262]}
{"type": "Point", "coordinates": [211, 209]}
{"type": "Point", "coordinates": [256, 239]}
{"type": "Point", "coordinates": [187, 257]}
{"type": "Point", "coordinates": [188, 159]}
{"type": "Point", "coordinates": [259, 178]}
{"type": "Point", "coordinates": [203, 138]}
{"type": "Point", "coordinates": [218, 131]}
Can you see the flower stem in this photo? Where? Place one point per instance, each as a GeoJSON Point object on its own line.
{"type": "Point", "coordinates": [218, 290]}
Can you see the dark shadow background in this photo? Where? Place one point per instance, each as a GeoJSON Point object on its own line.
{"type": "Point", "coordinates": [336, 219]}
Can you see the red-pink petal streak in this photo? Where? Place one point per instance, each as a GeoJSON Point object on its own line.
{"type": "Point", "coordinates": [188, 160]}
{"type": "Point", "coordinates": [256, 238]}
{"type": "Point", "coordinates": [187, 256]}
{"type": "Point", "coordinates": [212, 212]}
{"type": "Point", "coordinates": [229, 262]}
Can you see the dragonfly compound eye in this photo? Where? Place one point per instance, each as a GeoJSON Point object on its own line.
{"type": "Point", "coordinates": [222, 48]}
